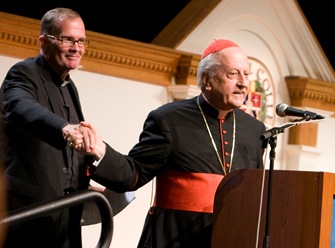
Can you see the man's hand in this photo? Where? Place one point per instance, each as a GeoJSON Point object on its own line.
{"type": "Point", "coordinates": [98, 148]}
{"type": "Point", "coordinates": [79, 138]}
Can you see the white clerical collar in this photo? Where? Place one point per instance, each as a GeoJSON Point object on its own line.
{"type": "Point", "coordinates": [65, 83]}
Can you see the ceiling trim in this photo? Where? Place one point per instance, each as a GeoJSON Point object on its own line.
{"type": "Point", "coordinates": [185, 22]}
{"type": "Point", "coordinates": [106, 54]}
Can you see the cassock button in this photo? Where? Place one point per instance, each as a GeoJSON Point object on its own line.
{"type": "Point", "coordinates": [228, 165]}
{"type": "Point", "coordinates": [226, 142]}
{"type": "Point", "coordinates": [64, 170]}
{"type": "Point", "coordinates": [227, 154]}
{"type": "Point", "coordinates": [224, 131]}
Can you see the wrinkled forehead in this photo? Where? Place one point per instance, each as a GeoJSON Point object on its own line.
{"type": "Point", "coordinates": [233, 58]}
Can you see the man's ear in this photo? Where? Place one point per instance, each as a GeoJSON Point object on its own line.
{"type": "Point", "coordinates": [44, 42]}
{"type": "Point", "coordinates": [205, 79]}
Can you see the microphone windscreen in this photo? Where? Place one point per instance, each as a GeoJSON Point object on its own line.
{"type": "Point", "coordinates": [280, 109]}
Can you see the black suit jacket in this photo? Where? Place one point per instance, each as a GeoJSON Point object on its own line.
{"type": "Point", "coordinates": [31, 118]}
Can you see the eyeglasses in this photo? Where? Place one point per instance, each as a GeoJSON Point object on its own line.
{"type": "Point", "coordinates": [69, 41]}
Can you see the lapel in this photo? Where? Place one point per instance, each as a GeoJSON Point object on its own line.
{"type": "Point", "coordinates": [75, 97]}
{"type": "Point", "coordinates": [51, 90]}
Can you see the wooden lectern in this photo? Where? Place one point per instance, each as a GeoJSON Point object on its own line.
{"type": "Point", "coordinates": [300, 212]}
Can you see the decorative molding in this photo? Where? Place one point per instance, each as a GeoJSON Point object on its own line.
{"type": "Point", "coordinates": [106, 54]}
{"type": "Point", "coordinates": [145, 62]}
{"type": "Point", "coordinates": [185, 22]}
{"type": "Point", "coordinates": [307, 92]}
{"type": "Point", "coordinates": [304, 40]}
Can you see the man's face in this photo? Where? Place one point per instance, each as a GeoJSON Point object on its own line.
{"type": "Point", "coordinates": [64, 56]}
{"type": "Point", "coordinates": [229, 88]}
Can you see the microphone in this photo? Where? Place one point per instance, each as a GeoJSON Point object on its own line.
{"type": "Point", "coordinates": [283, 110]}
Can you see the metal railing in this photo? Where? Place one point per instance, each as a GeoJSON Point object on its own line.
{"type": "Point", "coordinates": [66, 201]}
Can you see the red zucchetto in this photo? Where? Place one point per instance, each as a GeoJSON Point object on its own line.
{"type": "Point", "coordinates": [218, 45]}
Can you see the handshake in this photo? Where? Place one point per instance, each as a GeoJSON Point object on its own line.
{"type": "Point", "coordinates": [84, 138]}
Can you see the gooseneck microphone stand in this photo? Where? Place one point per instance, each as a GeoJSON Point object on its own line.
{"type": "Point", "coordinates": [270, 137]}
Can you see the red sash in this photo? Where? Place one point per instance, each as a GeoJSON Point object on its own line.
{"type": "Point", "coordinates": [186, 190]}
